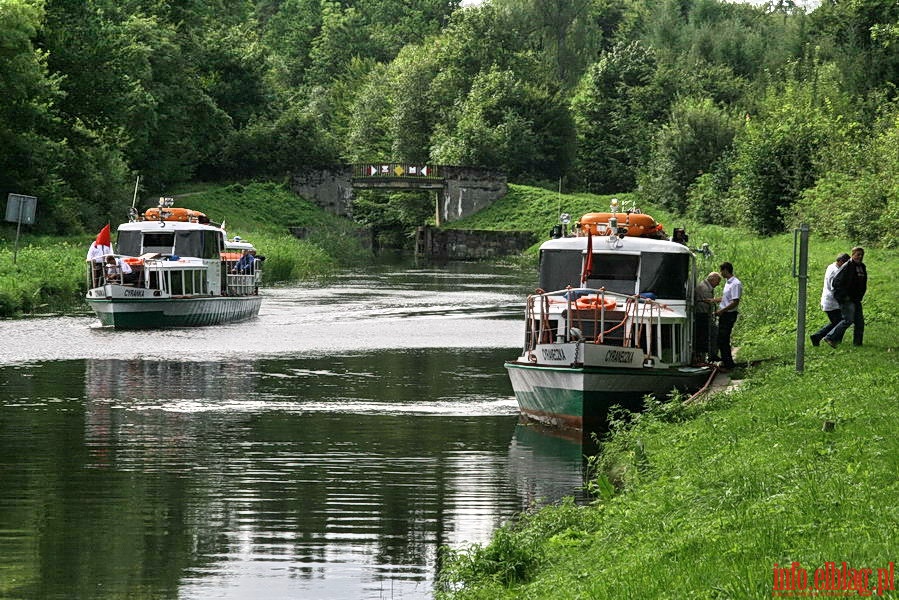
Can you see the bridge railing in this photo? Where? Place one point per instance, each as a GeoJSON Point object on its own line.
{"type": "Point", "coordinates": [396, 170]}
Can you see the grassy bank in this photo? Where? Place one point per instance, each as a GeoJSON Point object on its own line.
{"type": "Point", "coordinates": [701, 500]}
{"type": "Point", "coordinates": [49, 273]}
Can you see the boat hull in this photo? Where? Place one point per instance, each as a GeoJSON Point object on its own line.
{"type": "Point", "coordinates": [581, 397]}
{"type": "Point", "coordinates": [174, 312]}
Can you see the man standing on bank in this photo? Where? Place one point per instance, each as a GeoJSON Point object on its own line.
{"type": "Point", "coordinates": [829, 304]}
{"type": "Point", "coordinates": [703, 327]}
{"type": "Point", "coordinates": [727, 313]}
{"type": "Point", "coordinates": [849, 287]}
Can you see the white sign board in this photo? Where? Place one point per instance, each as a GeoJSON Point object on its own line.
{"type": "Point", "coordinates": [20, 209]}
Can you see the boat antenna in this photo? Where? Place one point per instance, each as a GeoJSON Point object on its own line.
{"type": "Point", "coordinates": [132, 214]}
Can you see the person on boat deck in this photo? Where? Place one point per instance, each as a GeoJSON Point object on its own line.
{"type": "Point", "coordinates": [247, 262]}
{"type": "Point", "coordinates": [704, 327]}
{"type": "Point", "coordinates": [118, 271]}
{"type": "Point", "coordinates": [829, 303]}
{"type": "Point", "coordinates": [849, 287]}
{"type": "Point", "coordinates": [727, 313]}
{"type": "Point", "coordinates": [97, 252]}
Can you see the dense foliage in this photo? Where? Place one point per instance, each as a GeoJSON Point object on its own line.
{"type": "Point", "coordinates": [738, 113]}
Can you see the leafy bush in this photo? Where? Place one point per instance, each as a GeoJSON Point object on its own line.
{"type": "Point", "coordinates": [696, 135]}
{"type": "Point", "coordinates": [707, 199]}
{"type": "Point", "coordinates": [860, 201]}
{"type": "Point", "coordinates": [48, 275]}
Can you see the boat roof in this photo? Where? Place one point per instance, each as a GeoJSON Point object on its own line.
{"type": "Point", "coordinates": [628, 245]}
{"type": "Point", "coordinates": [167, 225]}
{"type": "Point", "coordinates": [238, 245]}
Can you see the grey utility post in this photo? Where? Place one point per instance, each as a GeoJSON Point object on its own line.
{"type": "Point", "coordinates": [801, 235]}
{"type": "Point", "coordinates": [20, 209]}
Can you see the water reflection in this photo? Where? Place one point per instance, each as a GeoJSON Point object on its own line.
{"type": "Point", "coordinates": [307, 454]}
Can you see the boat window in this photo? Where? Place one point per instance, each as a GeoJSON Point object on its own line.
{"type": "Point", "coordinates": [199, 282]}
{"type": "Point", "coordinates": [665, 274]}
{"type": "Point", "coordinates": [177, 281]}
{"type": "Point", "coordinates": [128, 243]}
{"type": "Point", "coordinates": [615, 272]}
{"type": "Point", "coordinates": [559, 268]}
{"type": "Point", "coordinates": [201, 244]}
{"type": "Point", "coordinates": [158, 242]}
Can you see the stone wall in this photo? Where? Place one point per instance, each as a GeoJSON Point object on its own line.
{"type": "Point", "coordinates": [330, 188]}
{"type": "Point", "coordinates": [469, 190]}
{"type": "Point", "coordinates": [470, 244]}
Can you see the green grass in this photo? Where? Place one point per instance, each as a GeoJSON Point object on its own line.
{"type": "Point", "coordinates": [49, 273]}
{"type": "Point", "coordinates": [701, 500]}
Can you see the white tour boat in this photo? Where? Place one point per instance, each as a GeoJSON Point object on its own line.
{"type": "Point", "coordinates": [617, 325]}
{"type": "Point", "coordinates": [173, 267]}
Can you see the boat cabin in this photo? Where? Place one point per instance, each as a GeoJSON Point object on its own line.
{"type": "Point", "coordinates": [638, 293]}
{"type": "Point", "coordinates": [639, 266]}
{"type": "Point", "coordinates": [180, 254]}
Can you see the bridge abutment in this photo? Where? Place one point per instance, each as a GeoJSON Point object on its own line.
{"type": "Point", "coordinates": [460, 191]}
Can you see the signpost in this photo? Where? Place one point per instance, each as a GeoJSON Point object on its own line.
{"type": "Point", "coordinates": [20, 209]}
{"type": "Point", "coordinates": [801, 236]}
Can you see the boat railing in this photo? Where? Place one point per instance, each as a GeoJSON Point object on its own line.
{"type": "Point", "coordinates": [241, 284]}
{"type": "Point", "coordinates": [594, 316]}
{"type": "Point", "coordinates": [111, 270]}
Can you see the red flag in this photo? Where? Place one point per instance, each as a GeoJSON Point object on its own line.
{"type": "Point", "coordinates": [588, 260]}
{"type": "Point", "coordinates": [103, 238]}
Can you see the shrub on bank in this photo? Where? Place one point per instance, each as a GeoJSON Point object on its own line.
{"type": "Point", "coordinates": [48, 275]}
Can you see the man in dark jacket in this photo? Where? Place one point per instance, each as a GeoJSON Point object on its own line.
{"type": "Point", "coordinates": [849, 287]}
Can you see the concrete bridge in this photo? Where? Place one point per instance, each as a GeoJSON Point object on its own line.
{"type": "Point", "coordinates": [458, 191]}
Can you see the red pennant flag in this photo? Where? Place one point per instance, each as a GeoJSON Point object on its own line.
{"type": "Point", "coordinates": [103, 238]}
{"type": "Point", "coordinates": [588, 260]}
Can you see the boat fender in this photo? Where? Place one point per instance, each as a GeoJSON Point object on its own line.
{"type": "Point", "coordinates": [575, 334]}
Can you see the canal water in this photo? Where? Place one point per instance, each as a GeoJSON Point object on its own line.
{"type": "Point", "coordinates": [326, 450]}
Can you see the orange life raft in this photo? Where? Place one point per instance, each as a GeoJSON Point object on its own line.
{"type": "Point", "coordinates": [173, 214]}
{"type": "Point", "coordinates": [594, 303]}
{"type": "Point", "coordinates": [636, 224]}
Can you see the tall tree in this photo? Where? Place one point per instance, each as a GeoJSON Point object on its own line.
{"type": "Point", "coordinates": [615, 109]}
{"type": "Point", "coordinates": [697, 134]}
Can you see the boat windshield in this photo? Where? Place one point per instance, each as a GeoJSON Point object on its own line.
{"type": "Point", "coordinates": [129, 244]}
{"type": "Point", "coordinates": [664, 274]}
{"type": "Point", "coordinates": [614, 272]}
{"type": "Point", "coordinates": [194, 243]}
{"type": "Point", "coordinates": [201, 244]}
{"type": "Point", "coordinates": [559, 268]}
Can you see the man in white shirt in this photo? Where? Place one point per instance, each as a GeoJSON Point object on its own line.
{"type": "Point", "coordinates": [96, 255]}
{"type": "Point", "coordinates": [727, 313]}
{"type": "Point", "coordinates": [829, 303]}
{"type": "Point", "coordinates": [116, 269]}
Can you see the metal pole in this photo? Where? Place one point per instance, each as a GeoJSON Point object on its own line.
{"type": "Point", "coordinates": [15, 252]}
{"type": "Point", "coordinates": [437, 208]}
{"type": "Point", "coordinates": [803, 284]}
